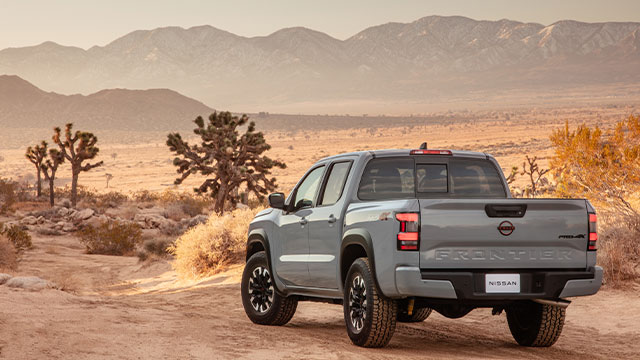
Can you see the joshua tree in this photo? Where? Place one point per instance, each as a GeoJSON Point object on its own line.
{"type": "Point", "coordinates": [114, 155]}
{"type": "Point", "coordinates": [232, 159]}
{"type": "Point", "coordinates": [49, 169]}
{"type": "Point", "coordinates": [36, 156]}
{"type": "Point", "coordinates": [85, 149]}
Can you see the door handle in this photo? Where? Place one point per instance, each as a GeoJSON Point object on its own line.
{"type": "Point", "coordinates": [332, 219]}
{"type": "Point", "coordinates": [303, 221]}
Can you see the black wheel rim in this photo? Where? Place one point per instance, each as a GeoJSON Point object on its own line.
{"type": "Point", "coordinates": [357, 303]}
{"type": "Point", "coordinates": [260, 290]}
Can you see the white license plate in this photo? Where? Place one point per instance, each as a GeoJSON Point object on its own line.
{"type": "Point", "coordinates": [502, 283]}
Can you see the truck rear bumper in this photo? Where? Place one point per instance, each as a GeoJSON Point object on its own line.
{"type": "Point", "coordinates": [470, 284]}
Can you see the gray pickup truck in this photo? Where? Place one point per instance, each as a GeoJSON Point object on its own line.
{"type": "Point", "coordinates": [394, 234]}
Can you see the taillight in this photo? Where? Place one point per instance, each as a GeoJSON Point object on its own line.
{"type": "Point", "coordinates": [593, 231]}
{"type": "Point", "coordinates": [408, 236]}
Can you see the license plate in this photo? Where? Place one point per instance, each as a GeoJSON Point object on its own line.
{"type": "Point", "coordinates": [502, 283]}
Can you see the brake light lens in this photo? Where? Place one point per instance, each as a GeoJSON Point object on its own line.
{"type": "Point", "coordinates": [593, 232]}
{"type": "Point", "coordinates": [408, 236]}
{"type": "Point", "coordinates": [431, 152]}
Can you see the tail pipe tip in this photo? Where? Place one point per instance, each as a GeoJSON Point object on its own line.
{"type": "Point", "coordinates": [559, 303]}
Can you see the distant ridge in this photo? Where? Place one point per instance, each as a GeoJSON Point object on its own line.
{"type": "Point", "coordinates": [23, 105]}
{"type": "Point", "coordinates": [435, 56]}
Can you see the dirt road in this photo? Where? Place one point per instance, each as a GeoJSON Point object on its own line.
{"type": "Point", "coordinates": [116, 308]}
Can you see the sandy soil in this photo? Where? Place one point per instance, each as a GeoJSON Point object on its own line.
{"type": "Point", "coordinates": [114, 307]}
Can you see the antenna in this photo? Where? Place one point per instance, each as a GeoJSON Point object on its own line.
{"type": "Point", "coordinates": [423, 146]}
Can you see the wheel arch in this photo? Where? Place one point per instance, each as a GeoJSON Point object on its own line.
{"type": "Point", "coordinates": [356, 243]}
{"type": "Point", "coordinates": [259, 241]}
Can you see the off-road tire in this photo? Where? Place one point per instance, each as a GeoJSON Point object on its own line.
{"type": "Point", "coordinates": [534, 324]}
{"type": "Point", "coordinates": [417, 315]}
{"type": "Point", "coordinates": [281, 309]}
{"type": "Point", "coordinates": [380, 312]}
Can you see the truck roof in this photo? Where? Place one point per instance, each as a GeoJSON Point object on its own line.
{"type": "Point", "coordinates": [405, 152]}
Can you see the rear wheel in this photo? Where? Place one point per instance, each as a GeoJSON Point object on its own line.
{"type": "Point", "coordinates": [261, 302]}
{"type": "Point", "coordinates": [370, 317]}
{"type": "Point", "coordinates": [533, 324]}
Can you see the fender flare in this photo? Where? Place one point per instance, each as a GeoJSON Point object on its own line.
{"type": "Point", "coordinates": [260, 236]}
{"type": "Point", "coordinates": [358, 237]}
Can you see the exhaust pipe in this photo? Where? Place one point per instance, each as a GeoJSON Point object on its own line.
{"type": "Point", "coordinates": [559, 303]}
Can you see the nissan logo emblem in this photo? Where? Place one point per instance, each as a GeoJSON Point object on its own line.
{"type": "Point", "coordinates": [506, 228]}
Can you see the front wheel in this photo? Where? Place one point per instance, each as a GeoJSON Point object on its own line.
{"type": "Point", "coordinates": [370, 316]}
{"type": "Point", "coordinates": [534, 324]}
{"type": "Point", "coordinates": [261, 302]}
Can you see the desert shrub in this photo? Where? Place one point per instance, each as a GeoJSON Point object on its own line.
{"type": "Point", "coordinates": [111, 238]}
{"type": "Point", "coordinates": [111, 199]}
{"type": "Point", "coordinates": [158, 247]}
{"type": "Point", "coordinates": [8, 257]}
{"type": "Point", "coordinates": [18, 236]}
{"type": "Point", "coordinates": [190, 203]}
{"type": "Point", "coordinates": [175, 212]}
{"type": "Point", "coordinates": [619, 249]}
{"type": "Point", "coordinates": [8, 194]}
{"type": "Point", "coordinates": [145, 196]}
{"type": "Point", "coordinates": [207, 248]}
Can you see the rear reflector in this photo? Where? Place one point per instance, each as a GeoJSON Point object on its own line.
{"type": "Point", "coordinates": [408, 236]}
{"type": "Point", "coordinates": [431, 152]}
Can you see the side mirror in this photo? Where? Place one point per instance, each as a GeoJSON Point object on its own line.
{"type": "Point", "coordinates": [276, 200]}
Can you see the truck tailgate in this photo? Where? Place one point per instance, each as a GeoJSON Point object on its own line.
{"type": "Point", "coordinates": [490, 234]}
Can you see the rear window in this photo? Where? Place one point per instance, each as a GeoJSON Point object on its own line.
{"type": "Point", "coordinates": [401, 178]}
{"type": "Point", "coordinates": [387, 179]}
{"type": "Point", "coordinates": [475, 178]}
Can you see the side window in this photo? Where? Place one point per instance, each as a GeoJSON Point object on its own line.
{"type": "Point", "coordinates": [387, 179]}
{"type": "Point", "coordinates": [432, 178]}
{"type": "Point", "coordinates": [307, 190]}
{"type": "Point", "coordinates": [335, 183]}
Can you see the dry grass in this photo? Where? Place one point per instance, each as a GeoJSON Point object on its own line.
{"type": "Point", "coordinates": [619, 250]}
{"type": "Point", "coordinates": [207, 248]}
{"type": "Point", "coordinates": [8, 256]}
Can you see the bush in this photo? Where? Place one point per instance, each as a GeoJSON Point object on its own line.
{"type": "Point", "coordinates": [111, 238]}
{"type": "Point", "coordinates": [208, 248]}
{"type": "Point", "coordinates": [190, 203]}
{"type": "Point", "coordinates": [145, 196]}
{"type": "Point", "coordinates": [619, 250]}
{"type": "Point", "coordinates": [8, 257]}
{"type": "Point", "coordinates": [8, 194]}
{"type": "Point", "coordinates": [155, 248]}
{"type": "Point", "coordinates": [19, 237]}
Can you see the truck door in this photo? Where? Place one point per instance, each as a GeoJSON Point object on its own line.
{"type": "Point", "coordinates": [325, 228]}
{"type": "Point", "coordinates": [292, 258]}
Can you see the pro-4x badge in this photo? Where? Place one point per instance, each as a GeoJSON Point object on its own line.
{"type": "Point", "coordinates": [506, 228]}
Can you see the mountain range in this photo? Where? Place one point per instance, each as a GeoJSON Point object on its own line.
{"type": "Point", "coordinates": [23, 105]}
{"type": "Point", "coordinates": [433, 57]}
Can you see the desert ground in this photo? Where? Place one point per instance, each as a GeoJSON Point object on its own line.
{"type": "Point", "coordinates": [106, 307]}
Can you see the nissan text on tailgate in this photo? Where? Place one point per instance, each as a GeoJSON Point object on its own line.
{"type": "Point", "coordinates": [393, 235]}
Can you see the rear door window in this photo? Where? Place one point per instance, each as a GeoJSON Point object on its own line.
{"type": "Point", "coordinates": [389, 178]}
{"type": "Point", "coordinates": [335, 183]}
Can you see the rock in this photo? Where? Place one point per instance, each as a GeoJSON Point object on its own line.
{"type": "Point", "coordinates": [4, 278]}
{"type": "Point", "coordinates": [62, 212]}
{"type": "Point", "coordinates": [65, 203]}
{"type": "Point", "coordinates": [83, 214]}
{"type": "Point", "coordinates": [41, 219]}
{"type": "Point", "coordinates": [29, 283]}
{"type": "Point", "coordinates": [95, 221]}
{"type": "Point", "coordinates": [29, 220]}
{"type": "Point", "coordinates": [68, 227]}
{"type": "Point", "coordinates": [197, 220]}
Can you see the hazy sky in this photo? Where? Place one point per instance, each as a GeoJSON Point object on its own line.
{"type": "Point", "coordinates": [85, 23]}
